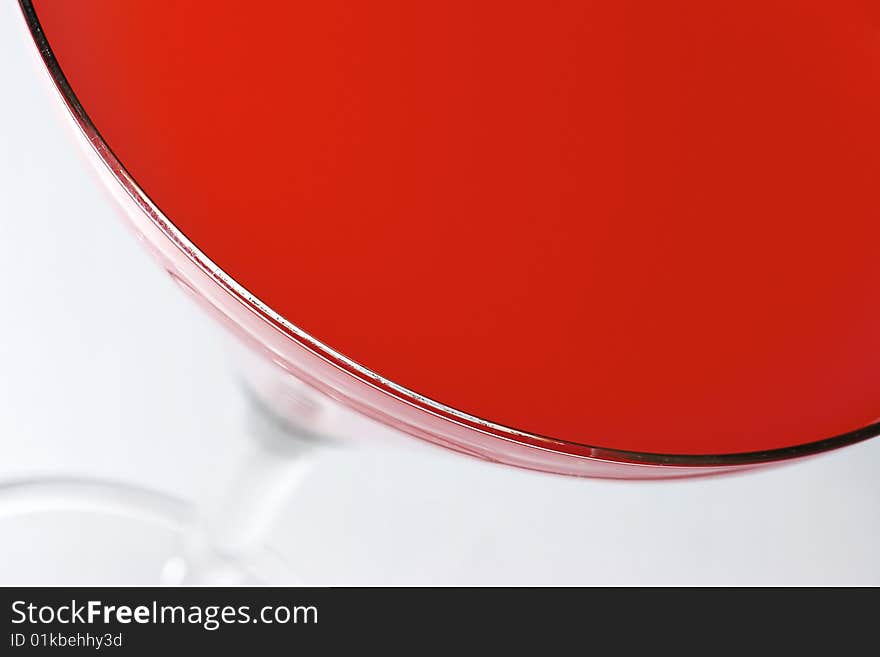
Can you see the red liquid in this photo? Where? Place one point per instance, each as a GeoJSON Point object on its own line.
{"type": "Point", "coordinates": [649, 226]}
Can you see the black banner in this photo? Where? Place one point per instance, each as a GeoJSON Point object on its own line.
{"type": "Point", "coordinates": [243, 620]}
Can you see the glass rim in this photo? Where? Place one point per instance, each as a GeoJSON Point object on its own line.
{"type": "Point", "coordinates": [564, 448]}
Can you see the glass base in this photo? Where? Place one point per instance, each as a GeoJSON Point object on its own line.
{"type": "Point", "coordinates": [81, 532]}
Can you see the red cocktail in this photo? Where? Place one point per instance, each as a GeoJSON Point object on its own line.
{"type": "Point", "coordinates": [593, 237]}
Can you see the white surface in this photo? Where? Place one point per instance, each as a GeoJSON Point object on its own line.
{"type": "Point", "coordinates": [108, 370]}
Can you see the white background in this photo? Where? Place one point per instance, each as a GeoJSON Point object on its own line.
{"type": "Point", "coordinates": [107, 370]}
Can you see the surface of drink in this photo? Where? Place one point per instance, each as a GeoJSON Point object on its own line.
{"type": "Point", "coordinates": [640, 226]}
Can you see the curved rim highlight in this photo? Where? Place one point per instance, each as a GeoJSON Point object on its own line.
{"type": "Point", "coordinates": [524, 438]}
